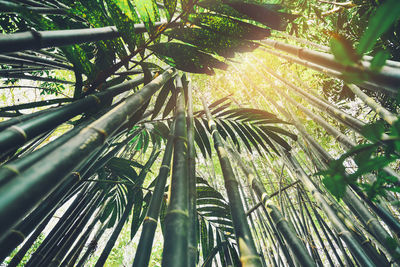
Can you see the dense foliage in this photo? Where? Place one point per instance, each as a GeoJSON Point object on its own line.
{"type": "Point", "coordinates": [298, 98]}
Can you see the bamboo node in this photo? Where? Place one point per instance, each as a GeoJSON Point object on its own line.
{"type": "Point", "coordinates": [244, 259]}
{"type": "Point", "coordinates": [100, 131]}
{"type": "Point", "coordinates": [211, 123]}
{"type": "Point", "coordinates": [96, 98]}
{"type": "Point", "coordinates": [77, 174]}
{"type": "Point", "coordinates": [185, 213]}
{"type": "Point", "coordinates": [165, 166]}
{"type": "Point", "coordinates": [149, 219]}
{"type": "Point", "coordinates": [19, 233]}
{"type": "Point", "coordinates": [370, 220]}
{"type": "Point", "coordinates": [38, 38]}
{"type": "Point", "coordinates": [12, 168]}
{"type": "Point", "coordinates": [213, 131]}
{"type": "Point", "coordinates": [20, 131]}
{"type": "Point", "coordinates": [343, 233]}
{"type": "Point", "coordinates": [280, 220]}
{"type": "Point", "coordinates": [184, 139]}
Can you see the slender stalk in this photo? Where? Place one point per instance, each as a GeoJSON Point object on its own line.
{"type": "Point", "coordinates": [144, 247]}
{"type": "Point", "coordinates": [192, 246]}
{"type": "Point", "coordinates": [388, 77]}
{"type": "Point", "coordinates": [27, 245]}
{"type": "Point", "coordinates": [35, 40]}
{"type": "Point", "coordinates": [18, 134]}
{"type": "Point", "coordinates": [381, 111]}
{"type": "Point", "coordinates": [340, 227]}
{"type": "Point", "coordinates": [113, 238]}
{"type": "Point", "coordinates": [247, 249]}
{"type": "Point", "coordinates": [37, 104]}
{"type": "Point", "coordinates": [282, 225]}
{"type": "Point", "coordinates": [177, 216]}
{"type": "Point", "coordinates": [25, 191]}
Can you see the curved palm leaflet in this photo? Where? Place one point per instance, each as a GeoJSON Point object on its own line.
{"type": "Point", "coordinates": [135, 147]}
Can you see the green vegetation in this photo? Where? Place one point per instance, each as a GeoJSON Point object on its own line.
{"type": "Point", "coordinates": [200, 133]}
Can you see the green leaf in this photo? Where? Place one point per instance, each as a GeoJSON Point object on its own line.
{"type": "Point", "coordinates": [379, 60]}
{"type": "Point", "coordinates": [124, 19]}
{"type": "Point", "coordinates": [170, 6]}
{"type": "Point", "coordinates": [148, 12]}
{"type": "Point", "coordinates": [229, 26]}
{"type": "Point", "coordinates": [211, 42]}
{"type": "Point", "coordinates": [343, 50]}
{"type": "Point", "coordinates": [203, 135]}
{"type": "Point", "coordinates": [219, 101]}
{"type": "Point", "coordinates": [242, 136]}
{"type": "Point", "coordinates": [374, 131]}
{"type": "Point", "coordinates": [231, 133]}
{"type": "Point", "coordinates": [276, 138]}
{"type": "Point", "coordinates": [336, 184]}
{"type": "Point", "coordinates": [365, 154]}
{"type": "Point", "coordinates": [200, 143]}
{"type": "Point", "coordinates": [162, 97]}
{"type": "Point", "coordinates": [137, 209]}
{"type": "Point", "coordinates": [170, 105]}
{"type": "Point", "coordinates": [187, 58]}
{"type": "Point", "coordinates": [385, 16]}
{"type": "Point", "coordinates": [267, 14]}
{"type": "Point", "coordinates": [204, 236]}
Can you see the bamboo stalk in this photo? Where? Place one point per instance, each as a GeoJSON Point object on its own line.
{"type": "Point", "coordinates": [144, 247]}
{"type": "Point", "coordinates": [366, 84]}
{"type": "Point", "coordinates": [113, 238]}
{"type": "Point", "coordinates": [192, 245]}
{"type": "Point", "coordinates": [35, 59]}
{"type": "Point", "coordinates": [247, 250]}
{"type": "Point", "coordinates": [388, 77]}
{"type": "Point", "coordinates": [37, 104]}
{"type": "Point", "coordinates": [344, 232]}
{"type": "Point", "coordinates": [34, 40]}
{"type": "Point", "coordinates": [24, 192]}
{"type": "Point", "coordinates": [282, 225]}
{"type": "Point", "coordinates": [177, 217]}
{"type": "Point", "coordinates": [381, 111]}
{"type": "Point", "coordinates": [18, 134]}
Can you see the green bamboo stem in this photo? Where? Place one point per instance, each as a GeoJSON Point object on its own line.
{"type": "Point", "coordinates": [93, 243]}
{"type": "Point", "coordinates": [315, 230]}
{"type": "Point", "coordinates": [144, 247]}
{"type": "Point", "coordinates": [37, 104]}
{"type": "Point", "coordinates": [388, 77]}
{"type": "Point", "coordinates": [62, 226]}
{"type": "Point", "coordinates": [113, 238]}
{"type": "Point", "coordinates": [20, 62]}
{"type": "Point", "coordinates": [247, 250]}
{"type": "Point", "coordinates": [18, 134]}
{"type": "Point", "coordinates": [21, 118]}
{"type": "Point", "coordinates": [343, 139]}
{"type": "Point", "coordinates": [25, 191]}
{"type": "Point", "coordinates": [27, 245]}
{"type": "Point", "coordinates": [332, 110]}
{"type": "Point", "coordinates": [177, 217]}
{"type": "Point", "coordinates": [250, 219]}
{"type": "Point", "coordinates": [329, 72]}
{"type": "Point", "coordinates": [55, 258]}
{"type": "Point", "coordinates": [282, 225]}
{"type": "Point", "coordinates": [192, 245]}
{"type": "Point", "coordinates": [20, 70]}
{"type": "Point", "coordinates": [35, 78]}
{"type": "Point", "coordinates": [40, 59]}
{"type": "Point", "coordinates": [340, 227]}
{"type": "Point", "coordinates": [327, 237]}
{"type": "Point", "coordinates": [381, 111]}
{"type": "Point", "coordinates": [35, 40]}
{"type": "Point", "coordinates": [350, 198]}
